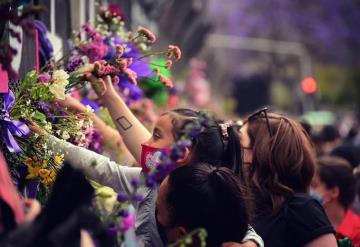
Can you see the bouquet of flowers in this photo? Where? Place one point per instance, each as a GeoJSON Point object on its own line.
{"type": "Point", "coordinates": [124, 55]}
{"type": "Point", "coordinates": [35, 104]}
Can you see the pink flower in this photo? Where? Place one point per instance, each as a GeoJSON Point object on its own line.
{"type": "Point", "coordinates": [166, 81]}
{"type": "Point", "coordinates": [174, 51]}
{"type": "Point", "coordinates": [116, 11]}
{"type": "Point", "coordinates": [116, 80]}
{"type": "Point", "coordinates": [147, 34]}
{"type": "Point", "coordinates": [119, 51]}
{"type": "Point", "coordinates": [44, 78]}
{"type": "Point", "coordinates": [127, 222]}
{"type": "Point", "coordinates": [131, 75]}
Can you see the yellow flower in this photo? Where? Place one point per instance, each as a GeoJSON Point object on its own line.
{"type": "Point", "coordinates": [58, 159]}
{"type": "Point", "coordinates": [47, 176]}
{"type": "Point", "coordinates": [29, 161]}
{"type": "Point", "coordinates": [33, 172]}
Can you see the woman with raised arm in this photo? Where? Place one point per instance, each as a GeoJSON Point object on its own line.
{"type": "Point", "coordinates": [218, 144]}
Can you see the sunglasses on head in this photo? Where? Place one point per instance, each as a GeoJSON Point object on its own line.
{"type": "Point", "coordinates": [257, 114]}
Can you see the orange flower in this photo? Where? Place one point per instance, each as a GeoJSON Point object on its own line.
{"type": "Point", "coordinates": [47, 176]}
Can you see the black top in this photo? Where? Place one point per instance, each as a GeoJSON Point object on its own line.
{"type": "Point", "coordinates": [300, 220]}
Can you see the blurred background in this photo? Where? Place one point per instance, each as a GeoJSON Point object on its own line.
{"type": "Point", "coordinates": [301, 57]}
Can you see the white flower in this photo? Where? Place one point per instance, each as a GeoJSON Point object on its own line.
{"type": "Point", "coordinates": [65, 135]}
{"type": "Point", "coordinates": [60, 77]}
{"type": "Point", "coordinates": [48, 127]}
{"type": "Point", "coordinates": [58, 90]}
{"type": "Point", "coordinates": [59, 83]}
{"type": "Point", "coordinates": [80, 124]}
{"type": "Point", "coordinates": [88, 109]}
{"type": "Point", "coordinates": [36, 135]}
{"type": "Point", "coordinates": [91, 124]}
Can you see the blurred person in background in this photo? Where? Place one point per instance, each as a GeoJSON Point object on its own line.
{"type": "Point", "coordinates": [335, 187]}
{"type": "Point", "coordinates": [327, 140]}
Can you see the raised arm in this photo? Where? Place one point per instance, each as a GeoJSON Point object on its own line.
{"type": "Point", "coordinates": [110, 137]}
{"type": "Point", "coordinates": [130, 128]}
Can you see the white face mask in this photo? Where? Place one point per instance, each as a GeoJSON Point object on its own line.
{"type": "Point", "coordinates": [316, 195]}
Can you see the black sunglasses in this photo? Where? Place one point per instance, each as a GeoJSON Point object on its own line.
{"type": "Point", "coordinates": [257, 114]}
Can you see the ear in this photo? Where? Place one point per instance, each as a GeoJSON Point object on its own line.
{"type": "Point", "coordinates": [334, 192]}
{"type": "Point", "coordinates": [186, 159]}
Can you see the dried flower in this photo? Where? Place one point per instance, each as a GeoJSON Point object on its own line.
{"type": "Point", "coordinates": [166, 81]}
{"type": "Point", "coordinates": [174, 51]}
{"type": "Point", "coordinates": [147, 34]}
{"type": "Point", "coordinates": [168, 64]}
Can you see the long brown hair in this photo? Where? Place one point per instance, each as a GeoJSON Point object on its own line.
{"type": "Point", "coordinates": [283, 162]}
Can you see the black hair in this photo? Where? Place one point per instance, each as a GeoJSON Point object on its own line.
{"type": "Point", "coordinates": [349, 152]}
{"type": "Point", "coordinates": [337, 172]}
{"type": "Point", "coordinates": [202, 196]}
{"type": "Point", "coordinates": [329, 133]}
{"type": "Point", "coordinates": [209, 146]}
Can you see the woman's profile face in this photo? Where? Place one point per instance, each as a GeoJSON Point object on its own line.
{"type": "Point", "coordinates": [162, 136]}
{"type": "Point", "coordinates": [172, 233]}
{"type": "Point", "coordinates": [246, 145]}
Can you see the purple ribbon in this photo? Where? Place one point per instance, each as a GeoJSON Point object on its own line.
{"type": "Point", "coordinates": [11, 127]}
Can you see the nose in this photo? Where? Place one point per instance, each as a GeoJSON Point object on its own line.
{"type": "Point", "coordinates": [148, 142]}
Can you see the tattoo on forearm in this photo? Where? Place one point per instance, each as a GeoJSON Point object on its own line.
{"type": "Point", "coordinates": [124, 123]}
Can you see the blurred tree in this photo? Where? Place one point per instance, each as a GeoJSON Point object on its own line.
{"type": "Point", "coordinates": [329, 28]}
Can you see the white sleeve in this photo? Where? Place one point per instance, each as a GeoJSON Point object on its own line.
{"type": "Point", "coordinates": [95, 166]}
{"type": "Point", "coordinates": [251, 235]}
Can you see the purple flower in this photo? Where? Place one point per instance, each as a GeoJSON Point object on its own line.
{"type": "Point", "coordinates": [95, 141]}
{"type": "Point", "coordinates": [124, 213]}
{"type": "Point", "coordinates": [138, 197]}
{"type": "Point", "coordinates": [44, 78]}
{"type": "Point", "coordinates": [122, 197]}
{"type": "Point", "coordinates": [43, 107]}
{"type": "Point", "coordinates": [135, 183]}
{"type": "Point", "coordinates": [74, 63]}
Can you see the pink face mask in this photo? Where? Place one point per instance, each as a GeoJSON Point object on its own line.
{"type": "Point", "coordinates": [150, 157]}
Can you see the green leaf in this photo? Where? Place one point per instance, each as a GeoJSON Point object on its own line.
{"type": "Point", "coordinates": [39, 117]}
{"type": "Point", "coordinates": [29, 80]}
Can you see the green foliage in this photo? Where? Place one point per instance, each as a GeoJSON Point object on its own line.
{"type": "Point", "coordinates": [29, 80]}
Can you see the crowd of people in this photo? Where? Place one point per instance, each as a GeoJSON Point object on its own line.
{"type": "Point", "coordinates": [267, 182]}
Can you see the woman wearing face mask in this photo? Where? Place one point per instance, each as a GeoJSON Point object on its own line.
{"type": "Point", "coordinates": [218, 144]}
{"type": "Point", "coordinates": [334, 185]}
{"type": "Point", "coordinates": [279, 163]}
{"type": "Point", "coordinates": [225, 216]}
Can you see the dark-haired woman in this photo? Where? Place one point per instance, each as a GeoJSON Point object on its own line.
{"type": "Point", "coordinates": [202, 196]}
{"type": "Point", "coordinates": [279, 161]}
{"type": "Point", "coordinates": [334, 183]}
